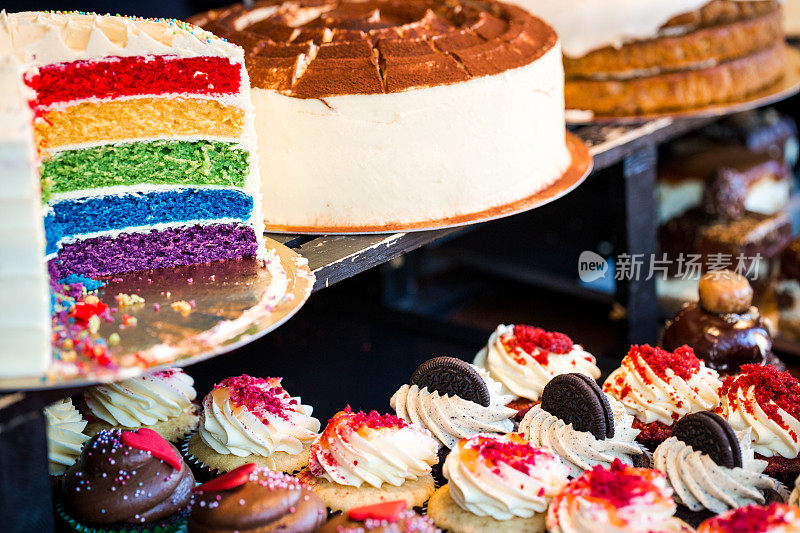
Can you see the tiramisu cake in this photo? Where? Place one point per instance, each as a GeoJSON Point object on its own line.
{"type": "Point", "coordinates": [378, 114]}
{"type": "Point", "coordinates": [636, 57]}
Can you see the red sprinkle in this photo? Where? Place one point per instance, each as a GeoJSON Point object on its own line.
{"type": "Point", "coordinates": [536, 342]}
{"type": "Point", "coordinates": [619, 485]}
{"type": "Point", "coordinates": [682, 361]}
{"type": "Point", "coordinates": [260, 396]}
{"type": "Point", "coordinates": [772, 388]}
{"type": "Point", "coordinates": [750, 519]}
{"type": "Point", "coordinates": [83, 311]}
{"type": "Point", "coordinates": [520, 456]}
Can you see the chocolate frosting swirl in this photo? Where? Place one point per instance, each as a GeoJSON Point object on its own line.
{"type": "Point", "coordinates": [269, 501]}
{"type": "Point", "coordinates": [321, 48]}
{"type": "Point", "coordinates": [114, 483]}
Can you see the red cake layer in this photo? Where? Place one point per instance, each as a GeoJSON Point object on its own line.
{"type": "Point", "coordinates": [129, 76]}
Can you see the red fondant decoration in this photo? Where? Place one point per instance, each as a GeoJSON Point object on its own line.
{"type": "Point", "coordinates": [148, 440]}
{"type": "Point", "coordinates": [389, 511]}
{"type": "Point", "coordinates": [229, 480]}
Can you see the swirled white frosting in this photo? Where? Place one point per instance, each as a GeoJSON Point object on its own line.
{"type": "Point", "coordinates": [65, 436]}
{"type": "Point", "coordinates": [356, 448]}
{"type": "Point", "coordinates": [521, 373]}
{"type": "Point", "coordinates": [451, 418]}
{"type": "Point", "coordinates": [651, 398]}
{"type": "Point", "coordinates": [143, 400]}
{"type": "Point", "coordinates": [580, 450]}
{"type": "Point", "coordinates": [700, 483]}
{"type": "Point", "coordinates": [244, 429]}
{"type": "Point", "coordinates": [489, 484]}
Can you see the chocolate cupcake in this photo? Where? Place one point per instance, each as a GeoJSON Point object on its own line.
{"type": "Point", "coordinates": [524, 359]}
{"type": "Point", "coordinates": [126, 481]}
{"type": "Point", "coordinates": [250, 498]}
{"type": "Point", "coordinates": [723, 327]}
{"type": "Point", "coordinates": [774, 518]}
{"type": "Point", "coordinates": [387, 517]}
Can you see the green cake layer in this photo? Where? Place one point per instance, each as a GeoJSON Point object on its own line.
{"type": "Point", "coordinates": [155, 162]}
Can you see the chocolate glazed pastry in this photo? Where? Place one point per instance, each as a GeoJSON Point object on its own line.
{"type": "Point", "coordinates": [723, 328]}
{"type": "Point", "coordinates": [114, 483]}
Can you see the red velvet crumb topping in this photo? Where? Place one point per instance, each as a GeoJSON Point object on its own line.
{"type": "Point", "coordinates": [259, 396]}
{"type": "Point", "coordinates": [682, 361]}
{"type": "Point", "coordinates": [520, 456]}
{"type": "Point", "coordinates": [536, 342]}
{"type": "Point", "coordinates": [619, 484]}
{"type": "Point", "coordinates": [773, 389]}
{"type": "Point", "coordinates": [751, 519]}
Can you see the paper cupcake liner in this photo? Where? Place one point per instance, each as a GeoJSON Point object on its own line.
{"type": "Point", "coordinates": [202, 473]}
{"type": "Point", "coordinates": [171, 524]}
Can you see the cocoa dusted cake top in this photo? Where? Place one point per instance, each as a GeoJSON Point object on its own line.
{"type": "Point", "coordinates": [322, 48]}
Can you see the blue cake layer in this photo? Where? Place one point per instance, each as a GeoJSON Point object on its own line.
{"type": "Point", "coordinates": [69, 218]}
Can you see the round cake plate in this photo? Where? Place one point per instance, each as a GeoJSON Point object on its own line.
{"type": "Point", "coordinates": [786, 87]}
{"type": "Point", "coordinates": [234, 303]}
{"type": "Point", "coordinates": [579, 169]}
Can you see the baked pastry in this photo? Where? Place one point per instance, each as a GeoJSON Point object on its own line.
{"type": "Point", "coordinates": [723, 327]}
{"type": "Point", "coordinates": [566, 422]}
{"type": "Point", "coordinates": [255, 499]}
{"type": "Point", "coordinates": [126, 480]}
{"type": "Point", "coordinates": [65, 435]}
{"type": "Point", "coordinates": [388, 517]}
{"type": "Point", "coordinates": [775, 518]}
{"type": "Point", "coordinates": [626, 58]}
{"type": "Point", "coordinates": [767, 401]}
{"type": "Point", "coordinates": [659, 387]}
{"type": "Point", "coordinates": [251, 420]}
{"type": "Point", "coordinates": [161, 401]}
{"type": "Point", "coordinates": [712, 469]}
{"type": "Point", "coordinates": [497, 483]}
{"type": "Point", "coordinates": [525, 358]}
{"type": "Point", "coordinates": [416, 110]}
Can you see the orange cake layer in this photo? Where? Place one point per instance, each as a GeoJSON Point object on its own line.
{"type": "Point", "coordinates": [119, 120]}
{"type": "Point", "coordinates": [725, 82]}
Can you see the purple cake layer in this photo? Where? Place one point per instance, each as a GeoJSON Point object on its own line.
{"type": "Point", "coordinates": [128, 252]}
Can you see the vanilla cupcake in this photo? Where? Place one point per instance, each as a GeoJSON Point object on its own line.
{"type": "Point", "coordinates": [619, 499]}
{"type": "Point", "coordinates": [658, 387]}
{"type": "Point", "coordinates": [362, 459]}
{"type": "Point", "coordinates": [775, 518]}
{"type": "Point", "coordinates": [497, 483]}
{"type": "Point", "coordinates": [251, 420]}
{"type": "Point", "coordinates": [161, 401]}
{"type": "Point", "coordinates": [524, 359]}
{"type": "Point", "coordinates": [65, 435]}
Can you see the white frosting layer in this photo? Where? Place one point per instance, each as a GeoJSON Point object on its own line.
{"type": "Point", "coordinates": [417, 155]}
{"type": "Point", "coordinates": [65, 435]}
{"type": "Point", "coordinates": [587, 25]}
{"type": "Point", "coordinates": [700, 483]}
{"type": "Point", "coordinates": [528, 380]}
{"type": "Point", "coordinates": [143, 400]}
{"type": "Point", "coordinates": [675, 198]}
{"type": "Point", "coordinates": [651, 398]}
{"type": "Point", "coordinates": [580, 450]}
{"type": "Point", "coordinates": [354, 455]}
{"type": "Point", "coordinates": [451, 418]}
{"type": "Point", "coordinates": [239, 430]}
{"type": "Point", "coordinates": [486, 486]}
{"type": "Point", "coordinates": [768, 195]}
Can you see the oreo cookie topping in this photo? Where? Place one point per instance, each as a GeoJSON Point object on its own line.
{"type": "Point", "coordinates": [126, 477]}
{"type": "Point", "coordinates": [578, 400]}
{"type": "Point", "coordinates": [448, 375]}
{"type": "Point", "coordinates": [711, 434]}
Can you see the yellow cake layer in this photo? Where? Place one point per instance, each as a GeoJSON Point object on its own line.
{"type": "Point", "coordinates": [118, 120]}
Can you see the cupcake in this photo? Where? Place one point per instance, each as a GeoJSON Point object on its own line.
{"type": "Point", "coordinates": [497, 483]}
{"type": "Point", "coordinates": [658, 387]}
{"type": "Point", "coordinates": [126, 481]}
{"type": "Point", "coordinates": [161, 401]}
{"type": "Point", "coordinates": [252, 420]}
{"type": "Point", "coordinates": [619, 499]}
{"type": "Point", "coordinates": [794, 498]}
{"type": "Point", "coordinates": [584, 426]}
{"type": "Point", "coordinates": [775, 518]}
{"type": "Point", "coordinates": [723, 327]}
{"type": "Point", "coordinates": [387, 517]}
{"type": "Point", "coordinates": [711, 469]}
{"type": "Point", "coordinates": [65, 435]}
{"type": "Point", "coordinates": [524, 358]}
{"type": "Point", "coordinates": [767, 401]}
{"type": "Point", "coordinates": [250, 498]}
{"type": "Point", "coordinates": [362, 459]}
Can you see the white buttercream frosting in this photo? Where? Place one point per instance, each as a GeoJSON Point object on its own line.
{"type": "Point", "coordinates": [525, 374]}
{"type": "Point", "coordinates": [502, 476]}
{"type": "Point", "coordinates": [451, 418]}
{"type": "Point", "coordinates": [580, 450]}
{"type": "Point", "coordinates": [700, 483]}
{"type": "Point", "coordinates": [359, 448]}
{"type": "Point", "coordinates": [65, 435]}
{"type": "Point", "coordinates": [143, 400]}
{"type": "Point", "coordinates": [250, 416]}
{"type": "Point", "coordinates": [660, 394]}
